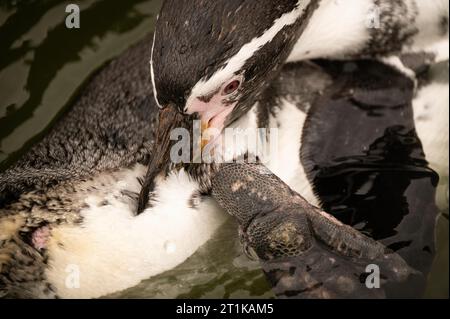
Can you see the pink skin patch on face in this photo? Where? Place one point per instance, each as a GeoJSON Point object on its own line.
{"type": "Point", "coordinates": [40, 237]}
{"type": "Point", "coordinates": [212, 113]}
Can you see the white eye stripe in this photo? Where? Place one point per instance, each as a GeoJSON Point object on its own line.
{"type": "Point", "coordinates": [236, 63]}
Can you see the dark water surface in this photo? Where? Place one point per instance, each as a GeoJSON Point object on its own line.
{"type": "Point", "coordinates": [42, 66]}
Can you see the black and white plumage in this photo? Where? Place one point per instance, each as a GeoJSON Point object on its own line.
{"type": "Point", "coordinates": [40, 187]}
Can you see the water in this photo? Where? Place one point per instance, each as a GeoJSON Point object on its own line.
{"type": "Point", "coordinates": [42, 66]}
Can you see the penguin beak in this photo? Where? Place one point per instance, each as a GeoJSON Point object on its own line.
{"type": "Point", "coordinates": [169, 118]}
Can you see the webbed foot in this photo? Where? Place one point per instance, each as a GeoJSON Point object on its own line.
{"type": "Point", "coordinates": [305, 252]}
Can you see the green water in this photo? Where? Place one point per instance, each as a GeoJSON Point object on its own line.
{"type": "Point", "coordinates": [42, 66]}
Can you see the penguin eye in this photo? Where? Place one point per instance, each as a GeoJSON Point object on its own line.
{"type": "Point", "coordinates": [231, 87]}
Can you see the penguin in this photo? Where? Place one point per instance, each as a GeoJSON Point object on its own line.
{"type": "Point", "coordinates": [68, 221]}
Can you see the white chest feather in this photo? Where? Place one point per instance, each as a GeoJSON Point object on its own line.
{"type": "Point", "coordinates": [113, 250]}
{"type": "Point", "coordinates": [342, 28]}
{"type": "Point", "coordinates": [285, 161]}
{"type": "Point", "coordinates": [282, 152]}
{"type": "Point", "coordinates": [431, 113]}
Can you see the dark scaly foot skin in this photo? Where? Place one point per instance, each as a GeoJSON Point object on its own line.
{"type": "Point", "coordinates": [305, 252]}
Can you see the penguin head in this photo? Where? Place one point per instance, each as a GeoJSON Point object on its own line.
{"type": "Point", "coordinates": [213, 59]}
